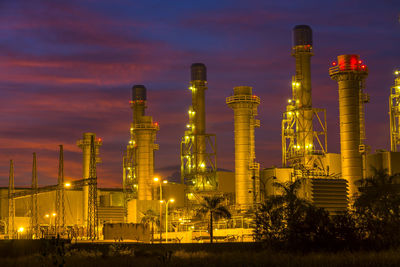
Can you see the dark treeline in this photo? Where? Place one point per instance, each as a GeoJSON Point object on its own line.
{"type": "Point", "coordinates": [286, 221]}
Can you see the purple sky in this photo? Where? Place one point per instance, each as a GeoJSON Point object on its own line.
{"type": "Point", "coordinates": [67, 67]}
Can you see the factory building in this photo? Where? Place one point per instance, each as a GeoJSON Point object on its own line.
{"type": "Point", "coordinates": [80, 209]}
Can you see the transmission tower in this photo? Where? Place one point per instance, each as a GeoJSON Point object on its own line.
{"type": "Point", "coordinates": [60, 204]}
{"type": "Point", "coordinates": [92, 226]}
{"type": "Point", "coordinates": [34, 201]}
{"type": "Point", "coordinates": [11, 201]}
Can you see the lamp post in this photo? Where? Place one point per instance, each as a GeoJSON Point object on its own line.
{"type": "Point", "coordinates": [20, 231]}
{"type": "Point", "coordinates": [49, 217]}
{"type": "Point", "coordinates": [160, 181]}
{"type": "Point", "coordinates": [171, 200]}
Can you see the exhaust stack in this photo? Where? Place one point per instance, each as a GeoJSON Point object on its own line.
{"type": "Point", "coordinates": [138, 164]}
{"type": "Point", "coordinates": [198, 149]}
{"type": "Point", "coordinates": [350, 74]}
{"type": "Point", "coordinates": [244, 105]}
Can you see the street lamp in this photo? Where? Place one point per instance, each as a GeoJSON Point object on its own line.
{"type": "Point", "coordinates": [20, 231]}
{"type": "Point", "coordinates": [49, 217]}
{"type": "Point", "coordinates": [171, 200]}
{"type": "Point", "coordinates": [160, 181]}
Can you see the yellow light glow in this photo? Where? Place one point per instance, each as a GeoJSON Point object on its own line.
{"type": "Point", "coordinates": [202, 165]}
{"type": "Point", "coordinates": [47, 215]}
{"type": "Point", "coordinates": [172, 200]}
{"type": "Point", "coordinates": [289, 100]}
{"type": "Point", "coordinates": [165, 182]}
{"type": "Point", "coordinates": [187, 125]}
{"type": "Point", "coordinates": [161, 201]}
{"type": "Point", "coordinates": [54, 214]}
{"type": "Point", "coordinates": [67, 184]}
{"type": "Point", "coordinates": [396, 72]}
{"type": "Point", "coordinates": [21, 229]}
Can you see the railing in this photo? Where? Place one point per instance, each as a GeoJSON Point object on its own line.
{"type": "Point", "coordinates": [347, 68]}
{"type": "Point", "coordinates": [254, 166]}
{"type": "Point", "coordinates": [145, 126]}
{"type": "Point", "coordinates": [243, 98]}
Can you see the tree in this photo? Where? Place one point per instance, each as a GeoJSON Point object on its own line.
{"type": "Point", "coordinates": [377, 208]}
{"type": "Point", "coordinates": [292, 220]}
{"type": "Point", "coordinates": [212, 207]}
{"type": "Point", "coordinates": [290, 206]}
{"type": "Point", "coordinates": [151, 217]}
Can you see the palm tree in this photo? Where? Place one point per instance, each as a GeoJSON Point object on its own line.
{"type": "Point", "coordinates": [289, 205]}
{"type": "Point", "coordinates": [378, 206]}
{"type": "Point", "coordinates": [212, 206]}
{"type": "Point", "coordinates": [150, 216]}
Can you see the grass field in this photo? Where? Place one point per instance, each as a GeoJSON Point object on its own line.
{"type": "Point", "coordinates": [117, 255]}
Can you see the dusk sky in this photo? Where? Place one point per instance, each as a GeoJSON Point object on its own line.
{"type": "Point", "coordinates": [67, 67]}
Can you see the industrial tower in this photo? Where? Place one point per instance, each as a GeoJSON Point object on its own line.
{"type": "Point", "coordinates": [11, 202]}
{"type": "Point", "coordinates": [350, 73]}
{"type": "Point", "coordinates": [198, 149]}
{"type": "Point", "coordinates": [394, 112]}
{"type": "Point", "coordinates": [85, 145]}
{"type": "Point", "coordinates": [34, 201]}
{"type": "Point", "coordinates": [60, 199]}
{"type": "Point", "coordinates": [302, 145]}
{"type": "Point", "coordinates": [138, 163]}
{"type": "Point", "coordinates": [92, 222]}
{"type": "Point", "coordinates": [247, 171]}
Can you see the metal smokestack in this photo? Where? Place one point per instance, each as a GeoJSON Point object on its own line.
{"type": "Point", "coordinates": [139, 97]}
{"type": "Point", "coordinates": [198, 149]}
{"type": "Point", "coordinates": [139, 160]}
{"type": "Point", "coordinates": [350, 74]}
{"type": "Point", "coordinates": [244, 105]}
{"type": "Point", "coordinates": [302, 52]}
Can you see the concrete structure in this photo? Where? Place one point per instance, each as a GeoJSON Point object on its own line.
{"type": "Point", "coordinates": [198, 149]}
{"type": "Point", "coordinates": [139, 160]}
{"type": "Point", "coordinates": [84, 144]}
{"type": "Point", "coordinates": [350, 73]}
{"type": "Point", "coordinates": [244, 105]}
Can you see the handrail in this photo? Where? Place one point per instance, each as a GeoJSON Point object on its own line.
{"type": "Point", "coordinates": [243, 98]}
{"type": "Point", "coordinates": [347, 68]}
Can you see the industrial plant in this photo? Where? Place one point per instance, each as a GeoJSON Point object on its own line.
{"type": "Point", "coordinates": [81, 210]}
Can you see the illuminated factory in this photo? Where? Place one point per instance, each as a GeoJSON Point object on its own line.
{"type": "Point", "coordinates": [79, 209]}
